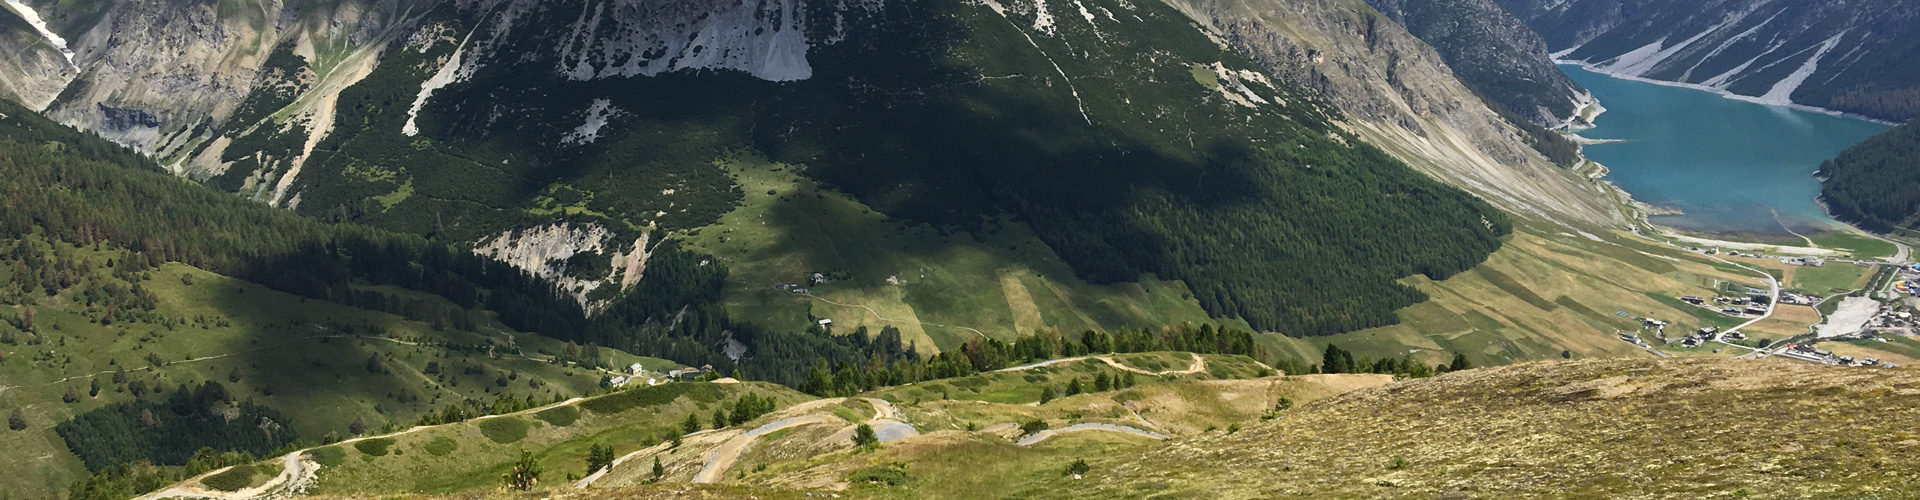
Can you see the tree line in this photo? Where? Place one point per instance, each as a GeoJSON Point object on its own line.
{"type": "Point", "coordinates": [1875, 184]}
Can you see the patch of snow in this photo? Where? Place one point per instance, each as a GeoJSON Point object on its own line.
{"type": "Point", "coordinates": [597, 116]}
{"type": "Point", "coordinates": [33, 18]}
{"type": "Point", "coordinates": [1782, 92]}
{"type": "Point", "coordinates": [1083, 11]}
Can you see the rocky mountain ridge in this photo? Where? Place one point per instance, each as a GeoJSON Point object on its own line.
{"type": "Point", "coordinates": [1854, 57]}
{"type": "Point", "coordinates": [1399, 93]}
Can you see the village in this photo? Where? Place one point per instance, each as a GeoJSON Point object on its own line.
{"type": "Point", "coordinates": [1855, 328]}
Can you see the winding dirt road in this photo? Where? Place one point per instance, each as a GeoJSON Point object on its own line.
{"type": "Point", "coordinates": [1199, 365]}
{"type": "Point", "coordinates": [1037, 437]}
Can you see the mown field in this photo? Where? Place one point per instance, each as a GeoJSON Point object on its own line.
{"type": "Point", "coordinates": [1544, 295]}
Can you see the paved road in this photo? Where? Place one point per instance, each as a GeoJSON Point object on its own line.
{"type": "Point", "coordinates": [1049, 433]}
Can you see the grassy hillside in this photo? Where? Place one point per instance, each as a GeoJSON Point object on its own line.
{"type": "Point", "coordinates": [1546, 294]}
{"type": "Point", "coordinates": [1590, 429]}
{"type": "Point", "coordinates": [324, 364]}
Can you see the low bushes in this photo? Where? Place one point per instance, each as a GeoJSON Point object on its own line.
{"type": "Point", "coordinates": [504, 430]}
{"type": "Point", "coordinates": [375, 447]}
{"type": "Point", "coordinates": [233, 479]}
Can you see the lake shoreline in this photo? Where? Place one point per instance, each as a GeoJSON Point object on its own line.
{"type": "Point", "coordinates": [1713, 171]}
{"type": "Point", "coordinates": [1721, 92]}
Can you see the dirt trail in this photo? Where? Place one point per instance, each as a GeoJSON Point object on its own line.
{"type": "Point", "coordinates": [596, 475]}
{"type": "Point", "coordinates": [1199, 365]}
{"type": "Point", "coordinates": [724, 455]}
{"type": "Point", "coordinates": [1037, 437]}
{"type": "Point", "coordinates": [296, 474]}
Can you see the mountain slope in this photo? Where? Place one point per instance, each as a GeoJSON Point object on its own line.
{"type": "Point", "coordinates": [1584, 429]}
{"type": "Point", "coordinates": [33, 67]}
{"type": "Point", "coordinates": [1876, 184]}
{"type": "Point", "coordinates": [1848, 56]}
{"type": "Point", "coordinates": [1495, 54]}
{"type": "Point", "coordinates": [1398, 93]}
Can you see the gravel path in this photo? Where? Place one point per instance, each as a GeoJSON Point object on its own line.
{"type": "Point", "coordinates": [1049, 433]}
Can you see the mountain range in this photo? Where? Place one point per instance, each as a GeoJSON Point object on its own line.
{"type": "Point", "coordinates": [332, 242]}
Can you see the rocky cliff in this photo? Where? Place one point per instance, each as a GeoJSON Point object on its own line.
{"type": "Point", "coordinates": [1853, 56]}
{"type": "Point", "coordinates": [166, 77]}
{"type": "Point", "coordinates": [36, 63]}
{"type": "Point", "coordinates": [1494, 53]}
{"type": "Point", "coordinates": [1399, 93]}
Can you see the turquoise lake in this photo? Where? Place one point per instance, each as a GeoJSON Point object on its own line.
{"type": "Point", "coordinates": [1730, 167]}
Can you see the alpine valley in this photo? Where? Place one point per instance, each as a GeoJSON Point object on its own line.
{"type": "Point", "coordinates": [256, 249]}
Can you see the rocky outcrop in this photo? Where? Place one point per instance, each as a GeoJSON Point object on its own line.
{"type": "Point", "coordinates": [165, 76]}
{"type": "Point", "coordinates": [1493, 53]}
{"type": "Point", "coordinates": [580, 258]}
{"type": "Point", "coordinates": [34, 62]}
{"type": "Point", "coordinates": [1848, 56]}
{"type": "Point", "coordinates": [1399, 94]}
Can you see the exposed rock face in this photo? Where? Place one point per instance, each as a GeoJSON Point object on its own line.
{"type": "Point", "coordinates": [1401, 96]}
{"type": "Point", "coordinates": [579, 258]}
{"type": "Point", "coordinates": [165, 75]}
{"type": "Point", "coordinates": [1494, 53]}
{"type": "Point", "coordinates": [1849, 56]}
{"type": "Point", "coordinates": [34, 63]}
{"type": "Point", "coordinates": [764, 38]}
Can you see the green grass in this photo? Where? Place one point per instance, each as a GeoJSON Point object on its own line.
{"type": "Point", "coordinates": [233, 479]}
{"type": "Point", "coordinates": [440, 446]}
{"type": "Point", "coordinates": [303, 357]}
{"type": "Point", "coordinates": [377, 447]}
{"type": "Point", "coordinates": [559, 415]}
{"type": "Point", "coordinates": [329, 456]}
{"type": "Point", "coordinates": [474, 459]}
{"type": "Point", "coordinates": [938, 288]}
{"type": "Point", "coordinates": [646, 397]}
{"type": "Point", "coordinates": [504, 429]}
{"type": "Point", "coordinates": [1827, 279]}
{"type": "Point", "coordinates": [1862, 247]}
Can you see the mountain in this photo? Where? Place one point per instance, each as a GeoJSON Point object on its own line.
{"type": "Point", "coordinates": [488, 122]}
{"type": "Point", "coordinates": [1854, 57]}
{"type": "Point", "coordinates": [1495, 54]}
{"type": "Point", "coordinates": [1397, 91]}
{"type": "Point", "coordinates": [1876, 184]}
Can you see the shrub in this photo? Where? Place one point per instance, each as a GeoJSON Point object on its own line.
{"type": "Point", "coordinates": [331, 456]}
{"type": "Point", "coordinates": [235, 478]}
{"type": "Point", "coordinates": [559, 415]}
{"type": "Point", "coordinates": [504, 430]}
{"type": "Point", "coordinates": [894, 474]}
{"type": "Point", "coordinates": [375, 447]}
{"type": "Point", "coordinates": [441, 446]}
{"type": "Point", "coordinates": [1033, 427]}
{"type": "Point", "coordinates": [1077, 468]}
{"type": "Point", "coordinates": [864, 437]}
